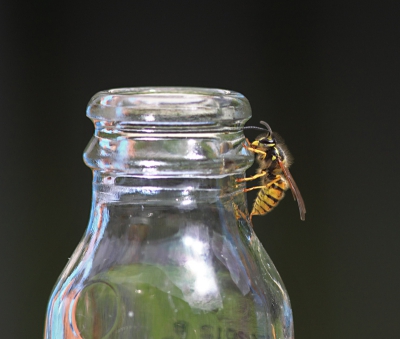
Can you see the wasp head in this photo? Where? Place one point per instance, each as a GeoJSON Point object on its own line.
{"type": "Point", "coordinates": [264, 141]}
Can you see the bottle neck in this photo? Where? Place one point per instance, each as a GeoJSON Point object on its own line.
{"type": "Point", "coordinates": [158, 154]}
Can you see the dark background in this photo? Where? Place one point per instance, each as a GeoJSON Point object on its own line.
{"type": "Point", "coordinates": [323, 74]}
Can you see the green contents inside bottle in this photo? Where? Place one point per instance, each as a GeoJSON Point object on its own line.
{"type": "Point", "coordinates": [127, 301]}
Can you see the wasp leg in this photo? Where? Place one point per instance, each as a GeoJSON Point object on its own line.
{"type": "Point", "coordinates": [251, 221]}
{"type": "Point", "coordinates": [278, 177]}
{"type": "Point", "coordinates": [253, 188]}
{"type": "Point", "coordinates": [255, 150]}
{"type": "Point", "coordinates": [253, 177]}
{"type": "Point", "coordinates": [238, 213]}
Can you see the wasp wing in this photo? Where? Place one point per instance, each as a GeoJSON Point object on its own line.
{"type": "Point", "coordinates": [295, 190]}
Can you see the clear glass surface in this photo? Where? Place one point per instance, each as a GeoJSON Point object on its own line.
{"type": "Point", "coordinates": [169, 252]}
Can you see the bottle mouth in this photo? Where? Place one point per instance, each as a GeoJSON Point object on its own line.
{"type": "Point", "coordinates": [166, 108]}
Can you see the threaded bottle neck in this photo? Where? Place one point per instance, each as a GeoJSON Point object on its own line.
{"type": "Point", "coordinates": [168, 132]}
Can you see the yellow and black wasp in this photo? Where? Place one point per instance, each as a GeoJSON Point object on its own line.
{"type": "Point", "coordinates": [274, 161]}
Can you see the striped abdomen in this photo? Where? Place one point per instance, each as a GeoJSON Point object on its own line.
{"type": "Point", "coordinates": [269, 197]}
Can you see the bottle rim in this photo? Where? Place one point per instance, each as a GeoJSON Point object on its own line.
{"type": "Point", "coordinates": [169, 106]}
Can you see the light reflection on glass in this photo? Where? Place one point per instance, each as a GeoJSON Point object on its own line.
{"type": "Point", "coordinates": [199, 266]}
{"type": "Point", "coordinates": [192, 152]}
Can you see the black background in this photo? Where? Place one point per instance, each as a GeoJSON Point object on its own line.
{"type": "Point", "coordinates": [325, 75]}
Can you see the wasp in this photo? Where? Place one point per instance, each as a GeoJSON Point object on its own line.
{"type": "Point", "coordinates": [274, 161]}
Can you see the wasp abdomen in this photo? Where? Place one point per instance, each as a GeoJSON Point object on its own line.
{"type": "Point", "coordinates": [269, 197]}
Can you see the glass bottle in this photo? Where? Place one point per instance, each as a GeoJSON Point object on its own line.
{"type": "Point", "coordinates": [169, 252]}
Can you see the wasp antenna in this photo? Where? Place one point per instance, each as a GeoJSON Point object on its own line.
{"type": "Point", "coordinates": [266, 125]}
{"type": "Point", "coordinates": [255, 127]}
